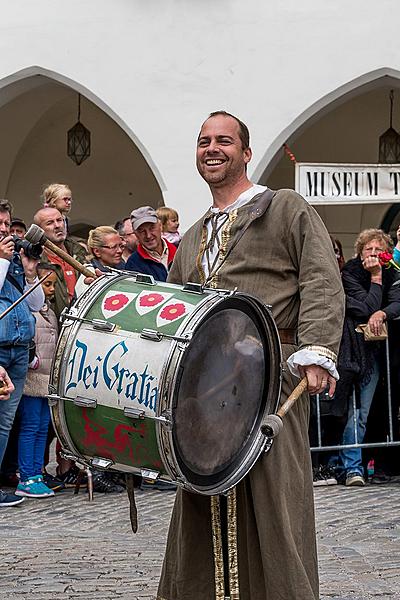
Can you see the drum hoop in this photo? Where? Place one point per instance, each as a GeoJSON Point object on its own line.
{"type": "Point", "coordinates": [175, 357]}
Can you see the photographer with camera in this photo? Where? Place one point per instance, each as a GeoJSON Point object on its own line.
{"type": "Point", "coordinates": [18, 261]}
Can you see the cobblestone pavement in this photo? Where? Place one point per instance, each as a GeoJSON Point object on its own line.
{"type": "Point", "coordinates": [67, 547]}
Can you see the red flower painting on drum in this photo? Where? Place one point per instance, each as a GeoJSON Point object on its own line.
{"type": "Point", "coordinates": [116, 302]}
{"type": "Point", "coordinates": [151, 300]}
{"type": "Point", "coordinates": [172, 311]}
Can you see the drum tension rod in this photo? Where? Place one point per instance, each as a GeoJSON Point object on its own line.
{"type": "Point", "coordinates": [157, 336]}
{"type": "Point", "coordinates": [98, 324]}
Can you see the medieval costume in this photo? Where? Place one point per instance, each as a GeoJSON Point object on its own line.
{"type": "Point", "coordinates": [285, 258]}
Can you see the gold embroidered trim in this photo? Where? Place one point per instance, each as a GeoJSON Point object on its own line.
{"type": "Point", "coordinates": [217, 545]}
{"type": "Point", "coordinates": [322, 351]}
{"type": "Point", "coordinates": [225, 237]}
{"type": "Point", "coordinates": [232, 546]}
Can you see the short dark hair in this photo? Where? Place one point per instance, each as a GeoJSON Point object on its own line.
{"type": "Point", "coordinates": [244, 133]}
{"type": "Point", "coordinates": [6, 206]}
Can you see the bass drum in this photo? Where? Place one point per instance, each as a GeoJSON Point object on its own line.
{"type": "Point", "coordinates": [166, 381]}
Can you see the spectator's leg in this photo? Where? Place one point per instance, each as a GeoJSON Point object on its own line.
{"type": "Point", "coordinates": [29, 409]}
{"type": "Point", "coordinates": [41, 437]}
{"type": "Point", "coordinates": [352, 458]}
{"type": "Point", "coordinates": [15, 360]}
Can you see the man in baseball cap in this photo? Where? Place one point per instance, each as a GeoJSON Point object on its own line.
{"type": "Point", "coordinates": [154, 254]}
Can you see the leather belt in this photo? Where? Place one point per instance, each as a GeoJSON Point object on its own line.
{"type": "Point", "coordinates": [288, 336]}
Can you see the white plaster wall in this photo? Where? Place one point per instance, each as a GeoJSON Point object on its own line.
{"type": "Point", "coordinates": [161, 66]}
{"type": "Point", "coordinates": [106, 187]}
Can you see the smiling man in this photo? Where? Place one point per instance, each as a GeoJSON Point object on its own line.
{"type": "Point", "coordinates": [258, 543]}
{"type": "Point", "coordinates": [154, 254]}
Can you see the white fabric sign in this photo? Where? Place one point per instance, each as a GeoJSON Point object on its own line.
{"type": "Point", "coordinates": [348, 183]}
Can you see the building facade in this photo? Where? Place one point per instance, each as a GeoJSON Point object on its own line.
{"type": "Point", "coordinates": [315, 76]}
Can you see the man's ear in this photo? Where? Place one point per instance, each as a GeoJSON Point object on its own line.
{"type": "Point", "coordinates": [247, 154]}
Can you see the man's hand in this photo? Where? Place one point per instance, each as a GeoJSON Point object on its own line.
{"type": "Point", "coordinates": [6, 385]}
{"type": "Point", "coordinates": [96, 274]}
{"type": "Point", "coordinates": [375, 322]}
{"type": "Point", "coordinates": [318, 378]}
{"type": "Point", "coordinates": [6, 247]}
{"type": "Point", "coordinates": [29, 265]}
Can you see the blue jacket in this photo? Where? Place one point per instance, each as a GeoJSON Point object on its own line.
{"type": "Point", "coordinates": [18, 327]}
{"type": "Point", "coordinates": [141, 262]}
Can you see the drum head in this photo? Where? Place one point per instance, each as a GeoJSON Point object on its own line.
{"type": "Point", "coordinates": [224, 388]}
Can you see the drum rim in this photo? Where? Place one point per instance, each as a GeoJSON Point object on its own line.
{"type": "Point", "coordinates": [259, 442]}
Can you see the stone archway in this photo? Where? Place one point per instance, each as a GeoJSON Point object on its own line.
{"type": "Point", "coordinates": [342, 127]}
{"type": "Point", "coordinates": [37, 107]}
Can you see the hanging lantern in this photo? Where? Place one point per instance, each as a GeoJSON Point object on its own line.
{"type": "Point", "coordinates": [78, 145]}
{"type": "Point", "coordinates": [389, 142]}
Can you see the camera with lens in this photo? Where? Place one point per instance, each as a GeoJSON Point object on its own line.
{"type": "Point", "coordinates": [31, 250]}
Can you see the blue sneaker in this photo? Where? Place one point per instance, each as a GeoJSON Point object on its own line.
{"type": "Point", "coordinates": [9, 499]}
{"type": "Point", "coordinates": [34, 488]}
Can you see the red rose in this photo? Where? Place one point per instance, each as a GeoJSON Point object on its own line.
{"type": "Point", "coordinates": [151, 299]}
{"type": "Point", "coordinates": [172, 311]}
{"type": "Point", "coordinates": [385, 258]}
{"type": "Point", "coordinates": [116, 302]}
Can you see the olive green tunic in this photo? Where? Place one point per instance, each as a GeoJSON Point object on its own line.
{"type": "Point", "coordinates": [286, 259]}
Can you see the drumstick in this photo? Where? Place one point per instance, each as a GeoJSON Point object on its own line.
{"type": "Point", "coordinates": [24, 295]}
{"type": "Point", "coordinates": [272, 424]}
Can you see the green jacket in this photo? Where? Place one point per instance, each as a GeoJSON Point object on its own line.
{"type": "Point", "coordinates": [61, 293]}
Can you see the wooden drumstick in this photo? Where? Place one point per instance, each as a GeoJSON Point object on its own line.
{"type": "Point", "coordinates": [272, 424]}
{"type": "Point", "coordinates": [36, 235]}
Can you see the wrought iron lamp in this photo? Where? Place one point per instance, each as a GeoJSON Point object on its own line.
{"type": "Point", "coordinates": [78, 145]}
{"type": "Point", "coordinates": [389, 142]}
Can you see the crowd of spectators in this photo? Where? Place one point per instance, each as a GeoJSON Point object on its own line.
{"type": "Point", "coordinates": [371, 282]}
{"type": "Point", "coordinates": [29, 331]}
{"type": "Point", "coordinates": [146, 242]}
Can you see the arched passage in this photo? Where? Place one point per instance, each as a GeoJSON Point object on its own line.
{"type": "Point", "coordinates": [342, 127]}
{"type": "Point", "coordinates": [36, 110]}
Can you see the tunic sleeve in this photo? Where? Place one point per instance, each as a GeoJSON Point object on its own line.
{"type": "Point", "coordinates": [321, 312]}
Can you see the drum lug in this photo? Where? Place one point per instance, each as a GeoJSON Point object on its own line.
{"type": "Point", "coordinates": [98, 462]}
{"type": "Point", "coordinates": [85, 402]}
{"type": "Point", "coordinates": [151, 475]}
{"type": "Point", "coordinates": [98, 324]}
{"type": "Point", "coordinates": [134, 413]}
{"type": "Point", "coordinates": [193, 288]}
{"type": "Point", "coordinates": [146, 279]}
{"type": "Point", "coordinates": [156, 336]}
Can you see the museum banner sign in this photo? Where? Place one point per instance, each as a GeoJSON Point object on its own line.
{"type": "Point", "coordinates": [348, 183]}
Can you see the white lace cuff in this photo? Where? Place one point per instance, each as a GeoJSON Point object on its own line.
{"type": "Point", "coordinates": [306, 357]}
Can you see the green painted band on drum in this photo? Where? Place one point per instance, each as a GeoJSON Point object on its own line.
{"type": "Point", "coordinates": [135, 307]}
{"type": "Point", "coordinates": [106, 432]}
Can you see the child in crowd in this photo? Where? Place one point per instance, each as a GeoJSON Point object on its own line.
{"type": "Point", "coordinates": [33, 408]}
{"type": "Point", "coordinates": [170, 224]}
